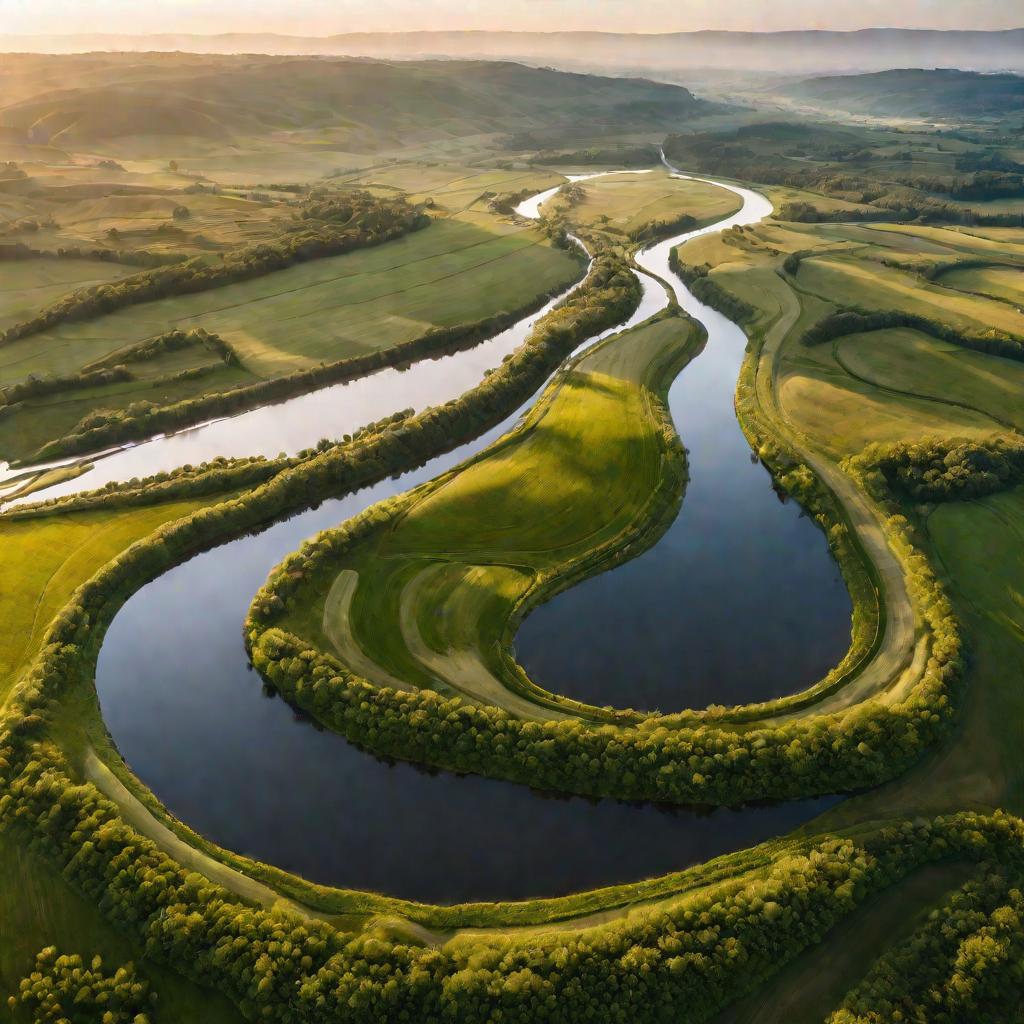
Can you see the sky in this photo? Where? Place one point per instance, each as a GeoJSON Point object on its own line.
{"type": "Point", "coordinates": [325, 17]}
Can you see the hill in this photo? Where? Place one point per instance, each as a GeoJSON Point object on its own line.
{"type": "Point", "coordinates": [799, 52]}
{"type": "Point", "coordinates": [916, 92]}
{"type": "Point", "coordinates": [82, 100]}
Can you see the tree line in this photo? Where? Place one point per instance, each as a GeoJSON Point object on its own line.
{"type": "Point", "coordinates": [687, 958]}
{"type": "Point", "coordinates": [112, 369]}
{"type": "Point", "coordinates": [939, 469]}
{"type": "Point", "coordinates": [965, 963]}
{"type": "Point", "coordinates": [697, 277]}
{"type": "Point", "coordinates": [857, 321]}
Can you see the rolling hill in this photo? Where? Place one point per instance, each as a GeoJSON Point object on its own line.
{"type": "Point", "coordinates": [225, 97]}
{"type": "Point", "coordinates": [915, 92]}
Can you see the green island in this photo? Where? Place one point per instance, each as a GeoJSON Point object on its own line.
{"type": "Point", "coordinates": [312, 222]}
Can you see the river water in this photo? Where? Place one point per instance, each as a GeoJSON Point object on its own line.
{"type": "Point", "coordinates": [189, 717]}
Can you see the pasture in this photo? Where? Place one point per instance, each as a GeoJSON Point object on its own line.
{"type": "Point", "coordinates": [452, 272]}
{"type": "Point", "coordinates": [620, 204]}
{"type": "Point", "coordinates": [26, 286]}
{"type": "Point", "coordinates": [1006, 283]}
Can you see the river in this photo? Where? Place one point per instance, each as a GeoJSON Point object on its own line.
{"type": "Point", "coordinates": [737, 602]}
{"type": "Point", "coordinates": [187, 714]}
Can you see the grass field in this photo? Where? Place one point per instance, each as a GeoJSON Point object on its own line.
{"type": "Point", "coordinates": [46, 559]}
{"type": "Point", "coordinates": [1006, 283]}
{"type": "Point", "coordinates": [328, 309]}
{"type": "Point", "coordinates": [26, 286]}
{"type": "Point", "coordinates": [476, 540]}
{"type": "Point", "coordinates": [897, 385]}
{"type": "Point", "coordinates": [858, 282]}
{"type": "Point", "coordinates": [620, 204]}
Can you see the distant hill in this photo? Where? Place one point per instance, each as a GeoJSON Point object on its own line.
{"type": "Point", "coordinates": [942, 93]}
{"type": "Point", "coordinates": [78, 101]}
{"type": "Point", "coordinates": [801, 52]}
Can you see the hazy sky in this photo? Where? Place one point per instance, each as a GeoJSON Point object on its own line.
{"type": "Point", "coordinates": [322, 17]}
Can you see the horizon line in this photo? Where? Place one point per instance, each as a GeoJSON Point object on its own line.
{"type": "Point", "coordinates": [507, 31]}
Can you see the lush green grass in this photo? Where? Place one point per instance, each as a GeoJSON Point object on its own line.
{"type": "Point", "coordinates": [454, 271]}
{"type": "Point", "coordinates": [620, 204]}
{"type": "Point", "coordinates": [475, 541]}
{"type": "Point", "coordinates": [898, 385]}
{"type": "Point", "coordinates": [328, 309]}
{"type": "Point", "coordinates": [916, 364]}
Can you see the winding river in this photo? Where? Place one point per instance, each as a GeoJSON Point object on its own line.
{"type": "Point", "coordinates": [738, 601]}
{"type": "Point", "coordinates": [186, 712]}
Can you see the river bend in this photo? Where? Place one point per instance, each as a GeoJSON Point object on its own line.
{"type": "Point", "coordinates": [187, 713]}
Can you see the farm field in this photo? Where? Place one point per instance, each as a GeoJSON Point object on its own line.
{"type": "Point", "coordinates": [451, 273]}
{"type": "Point", "coordinates": [1006, 283]}
{"type": "Point", "coordinates": [30, 285]}
{"type": "Point", "coordinates": [622, 205]}
{"type": "Point", "coordinates": [328, 648]}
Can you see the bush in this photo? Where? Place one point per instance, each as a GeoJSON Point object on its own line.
{"type": "Point", "coordinates": [63, 990]}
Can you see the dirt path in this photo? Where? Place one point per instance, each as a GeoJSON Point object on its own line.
{"type": "Point", "coordinates": [899, 659]}
{"type": "Point", "coordinates": [337, 628]}
{"type": "Point", "coordinates": [463, 668]}
{"type": "Point", "coordinates": [142, 819]}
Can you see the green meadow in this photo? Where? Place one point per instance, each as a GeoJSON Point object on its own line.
{"type": "Point", "coordinates": [452, 272]}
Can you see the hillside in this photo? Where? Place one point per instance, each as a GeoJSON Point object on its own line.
{"type": "Point", "coordinates": [915, 92]}
{"type": "Point", "coordinates": [110, 96]}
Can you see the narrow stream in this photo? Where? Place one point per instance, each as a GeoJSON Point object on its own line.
{"type": "Point", "coordinates": [185, 711]}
